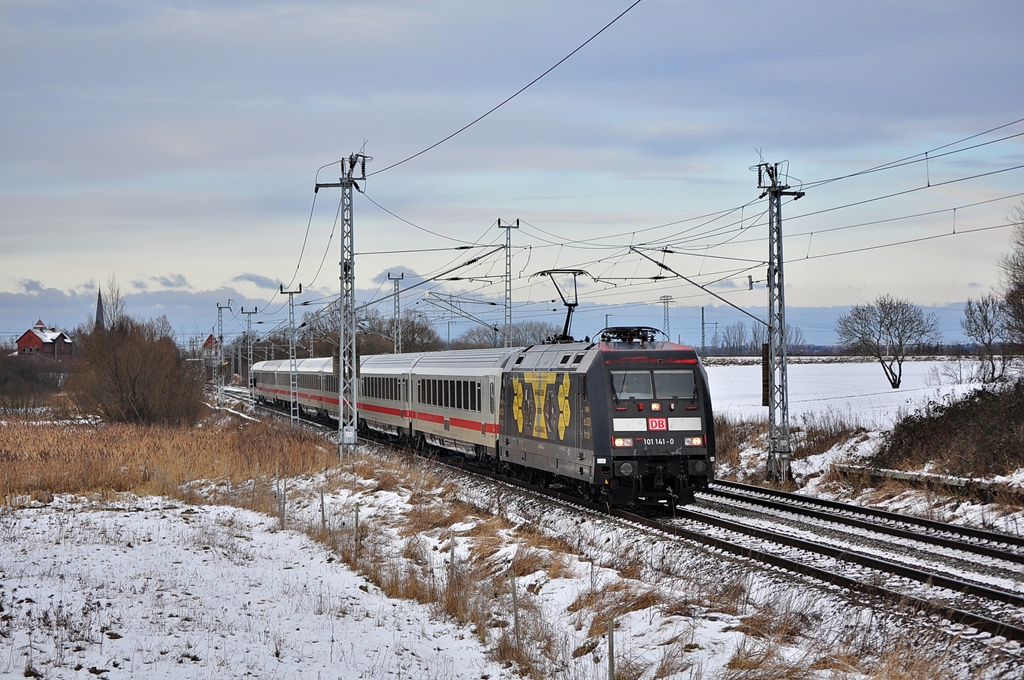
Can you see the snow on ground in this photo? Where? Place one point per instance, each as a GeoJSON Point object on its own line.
{"type": "Point", "coordinates": [149, 588]}
{"type": "Point", "coordinates": [859, 389]}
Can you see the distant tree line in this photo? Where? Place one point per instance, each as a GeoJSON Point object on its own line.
{"type": "Point", "coordinates": [737, 340]}
{"type": "Point", "coordinates": [317, 336]}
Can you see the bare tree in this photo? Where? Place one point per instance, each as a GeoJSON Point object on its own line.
{"type": "Point", "coordinates": [133, 371]}
{"type": "Point", "coordinates": [26, 382]}
{"type": "Point", "coordinates": [794, 337]}
{"type": "Point", "coordinates": [477, 337]}
{"type": "Point", "coordinates": [734, 338]}
{"type": "Point", "coordinates": [758, 337]}
{"type": "Point", "coordinates": [1012, 274]}
{"type": "Point", "coordinates": [521, 334]}
{"type": "Point", "coordinates": [525, 333]}
{"type": "Point", "coordinates": [984, 322]}
{"type": "Point", "coordinates": [376, 334]}
{"type": "Point", "coordinates": [887, 329]}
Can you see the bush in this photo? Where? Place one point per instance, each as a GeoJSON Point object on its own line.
{"type": "Point", "coordinates": [134, 372]}
{"type": "Point", "coordinates": [979, 435]}
{"type": "Point", "coordinates": [26, 382]}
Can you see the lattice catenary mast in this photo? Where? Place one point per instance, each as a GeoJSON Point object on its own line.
{"type": "Point", "coordinates": [353, 169]}
{"type": "Point", "coordinates": [248, 350]}
{"type": "Point", "coordinates": [220, 351]}
{"type": "Point", "coordinates": [398, 312]}
{"type": "Point", "coordinates": [293, 375]}
{"type": "Point", "coordinates": [776, 391]}
{"type": "Point", "coordinates": [508, 227]}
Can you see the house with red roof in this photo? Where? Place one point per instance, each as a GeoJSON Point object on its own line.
{"type": "Point", "coordinates": [49, 343]}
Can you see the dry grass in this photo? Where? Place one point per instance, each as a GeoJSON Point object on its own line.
{"type": "Point", "coordinates": [816, 433]}
{"type": "Point", "coordinates": [778, 621]}
{"type": "Point", "coordinates": [421, 519]}
{"type": "Point", "coordinates": [733, 433]}
{"type": "Point", "coordinates": [812, 433]}
{"type": "Point", "coordinates": [85, 459]}
{"type": "Point", "coordinates": [527, 561]}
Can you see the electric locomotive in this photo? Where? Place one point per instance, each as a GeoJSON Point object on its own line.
{"type": "Point", "coordinates": [626, 420]}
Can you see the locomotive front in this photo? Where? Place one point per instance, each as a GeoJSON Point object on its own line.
{"type": "Point", "coordinates": [656, 443]}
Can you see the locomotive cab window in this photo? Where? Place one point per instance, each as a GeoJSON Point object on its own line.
{"type": "Point", "coordinates": [632, 385]}
{"type": "Point", "coordinates": [674, 384]}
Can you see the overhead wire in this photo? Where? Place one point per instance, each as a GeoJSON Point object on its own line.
{"type": "Point", "coordinates": [921, 154]}
{"type": "Point", "coordinates": [330, 239]}
{"type": "Point", "coordinates": [511, 97]}
{"type": "Point", "coordinates": [412, 224]}
{"type": "Point", "coordinates": [698, 233]}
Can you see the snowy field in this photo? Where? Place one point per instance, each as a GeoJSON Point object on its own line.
{"type": "Point", "coordinates": [153, 589]}
{"type": "Point", "coordinates": [859, 389]}
{"type": "Point", "coordinates": [150, 588]}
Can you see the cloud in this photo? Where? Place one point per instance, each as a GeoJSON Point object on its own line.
{"type": "Point", "coordinates": [139, 284]}
{"type": "Point", "coordinates": [259, 281]}
{"type": "Point", "coordinates": [31, 285]}
{"type": "Point", "coordinates": [172, 281]}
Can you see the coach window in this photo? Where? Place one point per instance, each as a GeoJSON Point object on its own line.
{"type": "Point", "coordinates": [458, 393]}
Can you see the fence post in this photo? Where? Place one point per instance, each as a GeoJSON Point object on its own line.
{"type": "Point", "coordinates": [611, 648]}
{"type": "Point", "coordinates": [515, 606]}
{"type": "Point", "coordinates": [355, 543]}
{"type": "Point", "coordinates": [283, 486]}
{"type": "Point", "coordinates": [323, 512]}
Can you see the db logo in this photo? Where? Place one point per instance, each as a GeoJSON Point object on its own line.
{"type": "Point", "coordinates": [657, 424]}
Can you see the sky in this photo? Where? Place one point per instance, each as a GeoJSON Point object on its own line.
{"type": "Point", "coordinates": [174, 147]}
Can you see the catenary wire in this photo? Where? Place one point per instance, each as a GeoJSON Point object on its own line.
{"type": "Point", "coordinates": [510, 98]}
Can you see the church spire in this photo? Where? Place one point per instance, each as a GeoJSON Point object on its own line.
{"type": "Point", "coordinates": [99, 309]}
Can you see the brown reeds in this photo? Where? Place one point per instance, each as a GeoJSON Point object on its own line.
{"type": "Point", "coordinates": [85, 459]}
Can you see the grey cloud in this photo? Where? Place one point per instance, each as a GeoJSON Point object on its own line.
{"type": "Point", "coordinates": [259, 281]}
{"type": "Point", "coordinates": [172, 281]}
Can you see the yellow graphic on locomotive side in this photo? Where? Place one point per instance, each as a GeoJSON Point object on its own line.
{"type": "Point", "coordinates": [541, 405]}
{"type": "Point", "coordinates": [517, 403]}
{"type": "Point", "coordinates": [564, 412]}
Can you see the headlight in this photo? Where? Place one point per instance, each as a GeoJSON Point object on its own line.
{"type": "Point", "coordinates": [622, 442]}
{"type": "Point", "coordinates": [693, 441]}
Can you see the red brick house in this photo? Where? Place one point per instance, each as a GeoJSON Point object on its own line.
{"type": "Point", "coordinates": [45, 342]}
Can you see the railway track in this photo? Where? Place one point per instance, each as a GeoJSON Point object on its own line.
{"type": "Point", "coordinates": [791, 533]}
{"type": "Point", "coordinates": [994, 544]}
